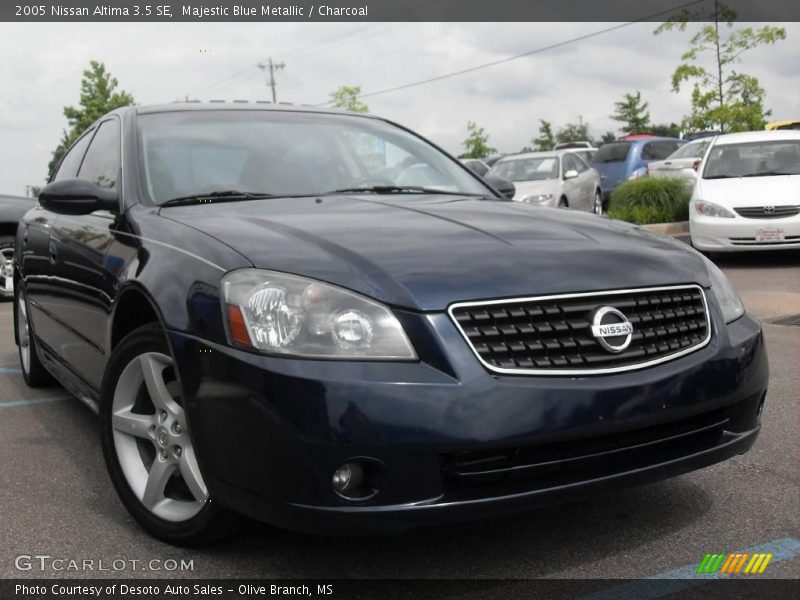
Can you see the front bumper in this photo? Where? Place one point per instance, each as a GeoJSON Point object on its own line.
{"type": "Point", "coordinates": [737, 234]}
{"type": "Point", "coordinates": [269, 432]}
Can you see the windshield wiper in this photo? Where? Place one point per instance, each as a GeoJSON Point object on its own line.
{"type": "Point", "coordinates": [224, 195]}
{"type": "Point", "coordinates": [398, 189]}
{"type": "Point", "coordinates": [767, 174]}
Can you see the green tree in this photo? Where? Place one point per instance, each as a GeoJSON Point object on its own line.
{"type": "Point", "coordinates": [97, 98]}
{"type": "Point", "coordinates": [573, 132]}
{"type": "Point", "coordinates": [546, 139]}
{"type": "Point", "coordinates": [722, 98]}
{"type": "Point", "coordinates": [606, 138]}
{"type": "Point", "coordinates": [632, 113]}
{"type": "Point", "coordinates": [666, 129]}
{"type": "Point", "coordinates": [477, 142]}
{"type": "Point", "coordinates": [346, 98]}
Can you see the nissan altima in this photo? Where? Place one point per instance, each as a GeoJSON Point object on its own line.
{"type": "Point", "coordinates": [323, 321]}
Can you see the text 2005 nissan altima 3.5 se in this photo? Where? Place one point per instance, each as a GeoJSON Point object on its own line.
{"type": "Point", "coordinates": [322, 321]}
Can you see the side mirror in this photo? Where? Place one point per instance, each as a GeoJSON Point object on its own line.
{"type": "Point", "coordinates": [571, 174]}
{"type": "Point", "coordinates": [504, 186]}
{"type": "Point", "coordinates": [77, 197]}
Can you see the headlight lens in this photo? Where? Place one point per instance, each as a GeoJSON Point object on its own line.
{"type": "Point", "coordinates": [286, 314]}
{"type": "Point", "coordinates": [709, 209]}
{"type": "Point", "coordinates": [537, 198]}
{"type": "Point", "coordinates": [729, 301]}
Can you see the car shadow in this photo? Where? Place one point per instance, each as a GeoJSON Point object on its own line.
{"type": "Point", "coordinates": [766, 258]}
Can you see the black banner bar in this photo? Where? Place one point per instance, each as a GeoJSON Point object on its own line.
{"type": "Point", "coordinates": [743, 588]}
{"type": "Point", "coordinates": [390, 10]}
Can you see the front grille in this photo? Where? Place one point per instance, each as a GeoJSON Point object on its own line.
{"type": "Point", "coordinates": [761, 212]}
{"type": "Point", "coordinates": [559, 463]}
{"type": "Point", "coordinates": [552, 335]}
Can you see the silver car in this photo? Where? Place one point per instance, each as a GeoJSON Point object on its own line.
{"type": "Point", "coordinates": [559, 178]}
{"type": "Point", "coordinates": [683, 163]}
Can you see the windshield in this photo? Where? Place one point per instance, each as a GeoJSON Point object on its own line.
{"type": "Point", "coordinates": [755, 159]}
{"type": "Point", "coordinates": [691, 150]}
{"type": "Point", "coordinates": [527, 169]}
{"type": "Point", "coordinates": [612, 152]}
{"type": "Point", "coordinates": [284, 153]}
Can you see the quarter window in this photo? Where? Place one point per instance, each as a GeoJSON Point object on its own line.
{"type": "Point", "coordinates": [72, 159]}
{"type": "Point", "coordinates": [102, 161]}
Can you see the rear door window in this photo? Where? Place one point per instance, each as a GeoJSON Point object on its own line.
{"type": "Point", "coordinates": [613, 152]}
{"type": "Point", "coordinates": [659, 150]}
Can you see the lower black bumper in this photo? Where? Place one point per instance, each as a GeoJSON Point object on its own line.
{"type": "Point", "coordinates": [452, 441]}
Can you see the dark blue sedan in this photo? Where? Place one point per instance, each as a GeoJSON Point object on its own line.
{"type": "Point", "coordinates": [323, 321]}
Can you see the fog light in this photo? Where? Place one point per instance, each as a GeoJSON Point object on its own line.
{"type": "Point", "coordinates": [348, 478]}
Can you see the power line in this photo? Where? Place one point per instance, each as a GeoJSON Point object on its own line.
{"type": "Point", "coordinates": [522, 55]}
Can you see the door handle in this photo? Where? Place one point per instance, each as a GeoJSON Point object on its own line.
{"type": "Point", "coordinates": [53, 253]}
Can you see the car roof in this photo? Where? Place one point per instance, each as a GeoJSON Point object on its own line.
{"type": "Point", "coordinates": [756, 136]}
{"type": "Point", "coordinates": [542, 154]}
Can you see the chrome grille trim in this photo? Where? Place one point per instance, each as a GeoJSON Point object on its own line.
{"type": "Point", "coordinates": [758, 212]}
{"type": "Point", "coordinates": [580, 371]}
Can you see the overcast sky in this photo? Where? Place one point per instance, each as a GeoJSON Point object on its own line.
{"type": "Point", "coordinates": [42, 65]}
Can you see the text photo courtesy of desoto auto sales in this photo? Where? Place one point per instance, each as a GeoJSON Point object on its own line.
{"type": "Point", "coordinates": [400, 299]}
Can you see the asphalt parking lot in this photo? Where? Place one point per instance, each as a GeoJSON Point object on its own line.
{"type": "Point", "coordinates": [56, 499]}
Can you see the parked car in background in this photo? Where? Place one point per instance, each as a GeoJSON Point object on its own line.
{"type": "Point", "coordinates": [748, 196]}
{"type": "Point", "coordinates": [572, 145]}
{"type": "Point", "coordinates": [559, 178]}
{"type": "Point", "coordinates": [476, 165]}
{"type": "Point", "coordinates": [11, 210]}
{"type": "Point", "coordinates": [587, 154]}
{"type": "Point", "coordinates": [780, 125]}
{"type": "Point", "coordinates": [322, 321]}
{"type": "Point", "coordinates": [628, 158]}
{"type": "Point", "coordinates": [684, 163]}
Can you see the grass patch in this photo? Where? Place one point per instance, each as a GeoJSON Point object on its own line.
{"type": "Point", "coordinates": [651, 200]}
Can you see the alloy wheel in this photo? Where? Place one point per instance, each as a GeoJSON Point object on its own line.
{"type": "Point", "coordinates": [24, 333]}
{"type": "Point", "coordinates": [597, 208]}
{"type": "Point", "coordinates": [152, 442]}
{"type": "Point", "coordinates": [6, 271]}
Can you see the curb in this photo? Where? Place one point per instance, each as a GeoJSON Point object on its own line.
{"type": "Point", "coordinates": [679, 230]}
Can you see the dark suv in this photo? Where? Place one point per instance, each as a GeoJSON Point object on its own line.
{"type": "Point", "coordinates": [323, 321]}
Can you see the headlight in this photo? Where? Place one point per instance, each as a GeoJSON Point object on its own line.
{"type": "Point", "coordinates": [537, 198]}
{"type": "Point", "coordinates": [729, 301]}
{"type": "Point", "coordinates": [709, 209]}
{"type": "Point", "coordinates": [286, 314]}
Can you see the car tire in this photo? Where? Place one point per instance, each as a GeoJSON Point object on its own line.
{"type": "Point", "coordinates": [33, 371]}
{"type": "Point", "coordinates": [562, 202]}
{"type": "Point", "coordinates": [597, 206]}
{"type": "Point", "coordinates": [150, 456]}
{"type": "Point", "coordinates": [6, 262]}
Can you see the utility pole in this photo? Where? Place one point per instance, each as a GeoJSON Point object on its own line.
{"type": "Point", "coordinates": [272, 66]}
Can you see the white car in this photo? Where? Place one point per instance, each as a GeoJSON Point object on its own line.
{"type": "Point", "coordinates": [684, 163]}
{"type": "Point", "coordinates": [559, 178]}
{"type": "Point", "coordinates": [748, 194]}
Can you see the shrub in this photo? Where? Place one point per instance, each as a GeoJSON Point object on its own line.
{"type": "Point", "coordinates": [651, 200]}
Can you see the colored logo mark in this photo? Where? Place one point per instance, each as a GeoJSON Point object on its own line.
{"type": "Point", "coordinates": [740, 562]}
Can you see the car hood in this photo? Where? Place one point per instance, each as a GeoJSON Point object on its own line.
{"type": "Point", "coordinates": [776, 190]}
{"type": "Point", "coordinates": [525, 188]}
{"type": "Point", "coordinates": [425, 253]}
